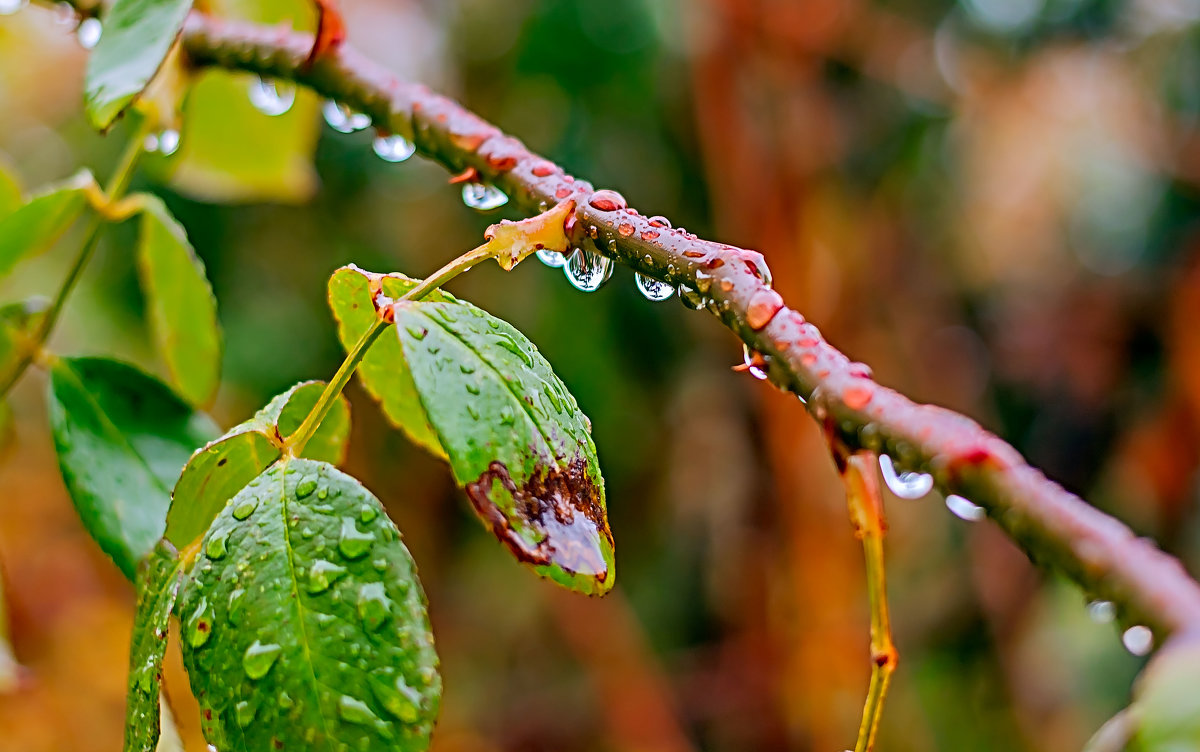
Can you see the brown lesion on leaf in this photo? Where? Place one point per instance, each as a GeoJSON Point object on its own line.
{"type": "Point", "coordinates": [562, 504]}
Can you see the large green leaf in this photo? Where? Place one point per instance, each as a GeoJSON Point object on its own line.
{"type": "Point", "coordinates": [122, 438]}
{"type": "Point", "coordinates": [224, 466]}
{"type": "Point", "coordinates": [159, 578]}
{"type": "Point", "coordinates": [33, 227]}
{"type": "Point", "coordinates": [19, 324]}
{"type": "Point", "coordinates": [137, 36]}
{"type": "Point", "coordinates": [516, 439]}
{"type": "Point", "coordinates": [383, 372]}
{"type": "Point", "coordinates": [1166, 704]}
{"type": "Point", "coordinates": [304, 624]}
{"type": "Point", "coordinates": [182, 309]}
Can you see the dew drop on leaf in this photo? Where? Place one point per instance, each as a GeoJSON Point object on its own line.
{"type": "Point", "coordinates": [651, 288]}
{"type": "Point", "coordinates": [245, 712]}
{"type": "Point", "coordinates": [352, 543]}
{"type": "Point", "coordinates": [305, 488]}
{"type": "Point", "coordinates": [272, 97]}
{"type": "Point", "coordinates": [200, 625]}
{"type": "Point", "coordinates": [353, 710]}
{"type": "Point", "coordinates": [322, 574]}
{"type": "Point", "coordinates": [396, 697]}
{"type": "Point", "coordinates": [236, 606]}
{"type": "Point", "coordinates": [245, 509]}
{"type": "Point", "coordinates": [374, 607]}
{"type": "Point", "coordinates": [215, 548]}
{"type": "Point", "coordinates": [367, 513]}
{"type": "Point", "coordinates": [393, 148]}
{"type": "Point", "coordinates": [905, 485]}
{"type": "Point", "coordinates": [483, 197]}
{"type": "Point", "coordinates": [259, 658]}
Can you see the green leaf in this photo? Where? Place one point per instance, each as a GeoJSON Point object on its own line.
{"type": "Point", "coordinates": [159, 578]}
{"type": "Point", "coordinates": [516, 439]}
{"type": "Point", "coordinates": [35, 226]}
{"type": "Point", "coordinates": [383, 371]}
{"type": "Point", "coordinates": [19, 323]}
{"type": "Point", "coordinates": [137, 36]}
{"type": "Point", "coordinates": [1166, 701]}
{"type": "Point", "coordinates": [182, 309]}
{"type": "Point", "coordinates": [122, 438]}
{"type": "Point", "coordinates": [10, 193]}
{"type": "Point", "coordinates": [223, 467]}
{"type": "Point", "coordinates": [304, 624]}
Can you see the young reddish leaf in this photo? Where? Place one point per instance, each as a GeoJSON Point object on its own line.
{"type": "Point", "coordinates": [331, 30]}
{"type": "Point", "coordinates": [304, 623]}
{"type": "Point", "coordinates": [122, 438]}
{"type": "Point", "coordinates": [224, 466]}
{"type": "Point", "coordinates": [512, 242]}
{"type": "Point", "coordinates": [180, 302]}
{"type": "Point", "coordinates": [35, 226]}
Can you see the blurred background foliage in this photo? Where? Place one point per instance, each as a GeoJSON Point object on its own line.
{"type": "Point", "coordinates": [992, 202]}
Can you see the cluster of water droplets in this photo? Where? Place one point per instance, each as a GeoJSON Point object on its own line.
{"type": "Point", "coordinates": [272, 97]}
{"type": "Point", "coordinates": [1138, 639]}
{"type": "Point", "coordinates": [343, 119]}
{"type": "Point", "coordinates": [165, 142]}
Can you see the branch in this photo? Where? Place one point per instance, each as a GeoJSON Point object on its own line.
{"type": "Point", "coordinates": [1054, 527]}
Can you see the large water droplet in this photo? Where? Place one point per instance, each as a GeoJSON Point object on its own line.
{"type": "Point", "coordinates": [762, 270]}
{"type": "Point", "coordinates": [906, 485]}
{"type": "Point", "coordinates": [272, 97]}
{"type": "Point", "coordinates": [483, 197]}
{"type": "Point", "coordinates": [89, 32]}
{"type": "Point", "coordinates": [374, 607]}
{"type": "Point", "coordinates": [690, 298]}
{"type": "Point", "coordinates": [245, 712]}
{"type": "Point", "coordinates": [652, 288]}
{"type": "Point", "coordinates": [305, 488]}
{"type": "Point", "coordinates": [343, 119]}
{"type": "Point", "coordinates": [236, 607]}
{"type": "Point", "coordinates": [259, 658]}
{"type": "Point", "coordinates": [245, 509]}
{"type": "Point", "coordinates": [752, 363]}
{"type": "Point", "coordinates": [587, 271]}
{"type": "Point", "coordinates": [1138, 640]}
{"type": "Point", "coordinates": [9, 7]}
{"type": "Point", "coordinates": [322, 574]}
{"type": "Point", "coordinates": [397, 698]}
{"type": "Point", "coordinates": [353, 710]}
{"type": "Point", "coordinates": [1102, 612]}
{"type": "Point", "coordinates": [215, 548]}
{"type": "Point", "coordinates": [352, 543]}
{"type": "Point", "coordinates": [394, 148]}
{"type": "Point", "coordinates": [200, 625]}
{"type": "Point", "coordinates": [552, 259]}
{"type": "Point", "coordinates": [964, 508]}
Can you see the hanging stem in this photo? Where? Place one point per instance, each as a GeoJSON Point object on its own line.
{"type": "Point", "coordinates": [294, 444]}
{"type": "Point", "coordinates": [865, 503]}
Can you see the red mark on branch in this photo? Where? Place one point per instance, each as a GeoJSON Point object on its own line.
{"type": "Point", "coordinates": [331, 31]}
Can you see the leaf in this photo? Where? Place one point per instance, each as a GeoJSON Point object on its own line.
{"type": "Point", "coordinates": [516, 439]}
{"type": "Point", "coordinates": [10, 193]}
{"type": "Point", "coordinates": [321, 640]}
{"type": "Point", "coordinates": [182, 309]}
{"type": "Point", "coordinates": [512, 242]}
{"type": "Point", "coordinates": [224, 466]}
{"type": "Point", "coordinates": [122, 438]}
{"type": "Point", "coordinates": [383, 372]}
{"type": "Point", "coordinates": [159, 579]}
{"type": "Point", "coordinates": [1166, 704]}
{"type": "Point", "coordinates": [34, 227]}
{"type": "Point", "coordinates": [137, 36]}
{"type": "Point", "coordinates": [19, 324]}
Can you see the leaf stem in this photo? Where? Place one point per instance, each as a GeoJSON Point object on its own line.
{"type": "Point", "coordinates": [449, 272]}
{"type": "Point", "coordinates": [117, 185]}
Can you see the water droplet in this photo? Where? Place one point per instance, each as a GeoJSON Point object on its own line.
{"type": "Point", "coordinates": [245, 712]}
{"type": "Point", "coordinates": [352, 543]}
{"type": "Point", "coordinates": [587, 271]}
{"type": "Point", "coordinates": [1102, 612]}
{"type": "Point", "coordinates": [552, 259]}
{"type": "Point", "coordinates": [417, 333]}
{"type": "Point", "coordinates": [272, 97]}
{"type": "Point", "coordinates": [652, 288]}
{"type": "Point", "coordinates": [245, 509]}
{"type": "Point", "coordinates": [483, 197]}
{"type": "Point", "coordinates": [9, 7]}
{"type": "Point", "coordinates": [200, 625]}
{"type": "Point", "coordinates": [259, 658]}
{"type": "Point", "coordinates": [507, 417]}
{"type": "Point", "coordinates": [215, 548]}
{"type": "Point", "coordinates": [964, 508]}
{"type": "Point", "coordinates": [367, 513]}
{"type": "Point", "coordinates": [397, 698]}
{"type": "Point", "coordinates": [660, 221]}
{"type": "Point", "coordinates": [690, 298]}
{"type": "Point", "coordinates": [752, 363]}
{"type": "Point", "coordinates": [322, 574]}
{"type": "Point", "coordinates": [1138, 640]}
{"type": "Point", "coordinates": [286, 701]}
{"type": "Point", "coordinates": [353, 710]}
{"type": "Point", "coordinates": [343, 119]}
{"type": "Point", "coordinates": [236, 606]}
{"type": "Point", "coordinates": [394, 148]}
{"type": "Point", "coordinates": [305, 488]}
{"type": "Point", "coordinates": [759, 266]}
{"type": "Point", "coordinates": [89, 32]}
{"type": "Point", "coordinates": [607, 201]}
{"type": "Point", "coordinates": [374, 607]}
{"type": "Point", "coordinates": [904, 485]}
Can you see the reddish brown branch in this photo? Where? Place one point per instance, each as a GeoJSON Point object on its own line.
{"type": "Point", "coordinates": [1053, 526]}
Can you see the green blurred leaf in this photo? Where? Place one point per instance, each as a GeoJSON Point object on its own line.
{"type": "Point", "coordinates": [159, 578]}
{"type": "Point", "coordinates": [321, 641]}
{"type": "Point", "coordinates": [122, 438]}
{"type": "Point", "coordinates": [383, 372]}
{"type": "Point", "coordinates": [137, 36]}
{"type": "Point", "coordinates": [182, 309]}
{"type": "Point", "coordinates": [19, 323]}
{"type": "Point", "coordinates": [224, 466]}
{"type": "Point", "coordinates": [35, 226]}
{"type": "Point", "coordinates": [1166, 703]}
{"type": "Point", "coordinates": [231, 152]}
{"type": "Point", "coordinates": [516, 439]}
{"type": "Point", "coordinates": [10, 193]}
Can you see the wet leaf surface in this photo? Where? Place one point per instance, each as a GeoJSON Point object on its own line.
{"type": "Point", "coordinates": [159, 579]}
{"type": "Point", "coordinates": [122, 439]}
{"type": "Point", "coordinates": [304, 624]}
{"type": "Point", "coordinates": [33, 227]}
